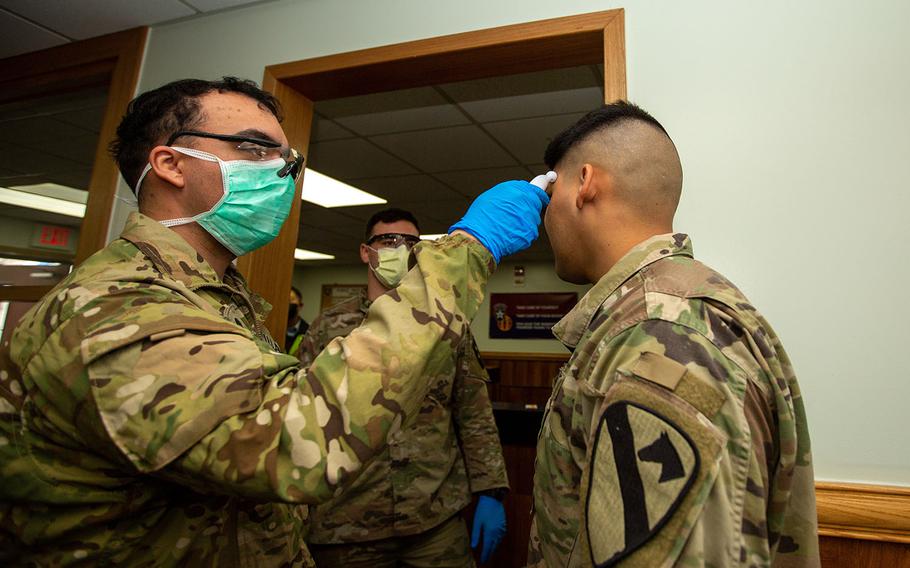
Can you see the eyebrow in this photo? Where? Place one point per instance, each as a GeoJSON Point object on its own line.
{"type": "Point", "coordinates": [254, 133]}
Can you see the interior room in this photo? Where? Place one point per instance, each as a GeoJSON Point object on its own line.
{"type": "Point", "coordinates": [788, 121]}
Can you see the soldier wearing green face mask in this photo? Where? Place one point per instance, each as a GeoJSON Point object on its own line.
{"type": "Point", "coordinates": [148, 418]}
{"type": "Point", "coordinates": [404, 508]}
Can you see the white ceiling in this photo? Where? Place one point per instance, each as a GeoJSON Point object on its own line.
{"type": "Point", "coordinates": [29, 25]}
{"type": "Point", "coordinates": [431, 150]}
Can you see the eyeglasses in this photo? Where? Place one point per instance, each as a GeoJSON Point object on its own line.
{"type": "Point", "coordinates": [394, 240]}
{"type": "Point", "coordinates": [258, 147]}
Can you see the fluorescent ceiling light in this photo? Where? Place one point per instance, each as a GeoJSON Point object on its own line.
{"type": "Point", "coordinates": [19, 262]}
{"type": "Point", "coordinates": [41, 202]}
{"type": "Point", "coordinates": [303, 254]}
{"type": "Point", "coordinates": [432, 237]}
{"type": "Point", "coordinates": [54, 190]}
{"type": "Point", "coordinates": [329, 192]}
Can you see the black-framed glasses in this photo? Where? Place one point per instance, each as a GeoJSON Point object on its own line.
{"type": "Point", "coordinates": [394, 240]}
{"type": "Point", "coordinates": [259, 147]}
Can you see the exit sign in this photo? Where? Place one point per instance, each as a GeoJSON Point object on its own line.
{"type": "Point", "coordinates": [53, 237]}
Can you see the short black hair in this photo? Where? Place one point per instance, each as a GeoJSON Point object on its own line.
{"type": "Point", "coordinates": [597, 119]}
{"type": "Point", "coordinates": [389, 216]}
{"type": "Point", "coordinates": [154, 115]}
{"type": "Point", "coordinates": [297, 293]}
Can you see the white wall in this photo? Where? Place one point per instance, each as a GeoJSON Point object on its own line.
{"type": "Point", "coordinates": [792, 123]}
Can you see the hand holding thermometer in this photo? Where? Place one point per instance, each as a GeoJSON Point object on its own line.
{"type": "Point", "coordinates": [543, 181]}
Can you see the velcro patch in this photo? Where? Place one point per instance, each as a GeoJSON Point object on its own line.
{"type": "Point", "coordinates": [642, 466]}
{"type": "Point", "coordinates": [658, 369]}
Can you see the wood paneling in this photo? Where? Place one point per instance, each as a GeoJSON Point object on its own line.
{"type": "Point", "coordinates": [850, 553]}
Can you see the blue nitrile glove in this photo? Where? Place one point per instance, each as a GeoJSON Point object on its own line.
{"type": "Point", "coordinates": [489, 519]}
{"type": "Point", "coordinates": [505, 218]}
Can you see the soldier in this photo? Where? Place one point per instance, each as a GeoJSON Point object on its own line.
{"type": "Point", "coordinates": [404, 507]}
{"type": "Point", "coordinates": [676, 433]}
{"type": "Point", "coordinates": [297, 326]}
{"type": "Point", "coordinates": [148, 418]}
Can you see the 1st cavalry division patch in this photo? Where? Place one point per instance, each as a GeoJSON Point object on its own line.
{"type": "Point", "coordinates": [642, 467]}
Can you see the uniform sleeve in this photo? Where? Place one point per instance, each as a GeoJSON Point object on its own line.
{"type": "Point", "coordinates": [210, 409]}
{"type": "Point", "coordinates": [661, 485]}
{"type": "Point", "coordinates": [473, 415]}
{"type": "Point", "coordinates": [312, 343]}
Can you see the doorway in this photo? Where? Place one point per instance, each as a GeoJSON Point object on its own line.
{"type": "Point", "coordinates": [387, 106]}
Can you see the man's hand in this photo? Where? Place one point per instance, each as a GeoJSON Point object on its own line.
{"type": "Point", "coordinates": [489, 519]}
{"type": "Point", "coordinates": [505, 218]}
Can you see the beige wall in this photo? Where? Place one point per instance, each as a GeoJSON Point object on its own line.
{"type": "Point", "coordinates": [791, 119]}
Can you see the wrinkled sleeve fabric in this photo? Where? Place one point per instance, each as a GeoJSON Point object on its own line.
{"type": "Point", "coordinates": [206, 406]}
{"type": "Point", "coordinates": [473, 415]}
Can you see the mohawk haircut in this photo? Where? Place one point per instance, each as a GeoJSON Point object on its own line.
{"type": "Point", "coordinates": [596, 120]}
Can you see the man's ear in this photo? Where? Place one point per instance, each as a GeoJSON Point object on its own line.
{"type": "Point", "coordinates": [588, 185]}
{"type": "Point", "coordinates": [364, 254]}
{"type": "Point", "coordinates": [166, 163]}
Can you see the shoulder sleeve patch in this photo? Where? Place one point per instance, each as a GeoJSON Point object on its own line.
{"type": "Point", "coordinates": [651, 466]}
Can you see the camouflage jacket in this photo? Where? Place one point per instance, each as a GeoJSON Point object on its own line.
{"type": "Point", "coordinates": [147, 418]}
{"type": "Point", "coordinates": [676, 433]}
{"type": "Point", "coordinates": [432, 465]}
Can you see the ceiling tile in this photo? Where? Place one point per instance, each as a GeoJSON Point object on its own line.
{"type": "Point", "coordinates": [402, 99]}
{"type": "Point", "coordinates": [38, 131]}
{"type": "Point", "coordinates": [557, 91]}
{"type": "Point", "coordinates": [527, 138]}
{"type": "Point", "coordinates": [88, 118]}
{"type": "Point", "coordinates": [19, 36]}
{"type": "Point", "coordinates": [90, 18]}
{"type": "Point", "coordinates": [211, 5]}
{"type": "Point", "coordinates": [403, 120]}
{"type": "Point", "coordinates": [539, 104]}
{"type": "Point", "coordinates": [394, 111]}
{"type": "Point", "coordinates": [405, 188]}
{"type": "Point", "coordinates": [323, 218]}
{"type": "Point", "coordinates": [473, 182]}
{"type": "Point", "coordinates": [354, 158]}
{"type": "Point", "coordinates": [327, 129]}
{"type": "Point", "coordinates": [445, 149]}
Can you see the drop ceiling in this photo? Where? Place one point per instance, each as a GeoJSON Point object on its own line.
{"type": "Point", "coordinates": [30, 25]}
{"type": "Point", "coordinates": [431, 150]}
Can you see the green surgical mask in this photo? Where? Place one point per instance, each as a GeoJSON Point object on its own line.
{"type": "Point", "coordinates": [392, 266]}
{"type": "Point", "coordinates": [254, 206]}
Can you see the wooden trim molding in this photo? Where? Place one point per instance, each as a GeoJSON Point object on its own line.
{"type": "Point", "coordinates": [865, 512]}
{"type": "Point", "coordinates": [515, 356]}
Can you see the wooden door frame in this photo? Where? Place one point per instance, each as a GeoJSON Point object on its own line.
{"type": "Point", "coordinates": [521, 48]}
{"type": "Point", "coordinates": [112, 60]}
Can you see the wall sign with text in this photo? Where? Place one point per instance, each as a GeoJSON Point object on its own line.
{"type": "Point", "coordinates": [528, 316]}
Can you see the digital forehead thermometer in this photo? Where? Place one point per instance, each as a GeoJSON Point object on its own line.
{"type": "Point", "coordinates": [543, 180]}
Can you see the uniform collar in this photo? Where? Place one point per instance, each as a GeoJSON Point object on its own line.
{"type": "Point", "coordinates": [171, 254]}
{"type": "Point", "coordinates": [571, 327]}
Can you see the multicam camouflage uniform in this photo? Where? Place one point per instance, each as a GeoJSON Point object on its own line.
{"type": "Point", "coordinates": [432, 465]}
{"type": "Point", "coordinates": [147, 418]}
{"type": "Point", "coordinates": [676, 433]}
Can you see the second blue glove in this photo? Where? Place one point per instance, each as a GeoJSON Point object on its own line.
{"type": "Point", "coordinates": [505, 218]}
